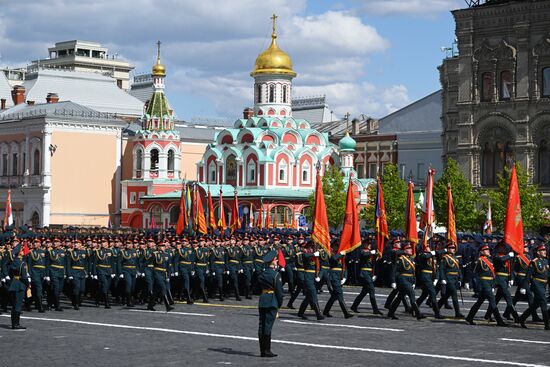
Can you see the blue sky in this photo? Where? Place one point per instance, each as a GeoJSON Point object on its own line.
{"type": "Point", "coordinates": [367, 56]}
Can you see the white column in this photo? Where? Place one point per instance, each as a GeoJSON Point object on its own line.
{"type": "Point", "coordinates": [46, 158]}
{"type": "Point", "coordinates": [163, 165]}
{"type": "Point", "coordinates": [118, 171]}
{"type": "Point", "coordinates": [27, 160]}
{"type": "Point", "coordinates": [146, 166]}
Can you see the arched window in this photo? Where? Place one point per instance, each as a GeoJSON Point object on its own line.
{"type": "Point", "coordinates": [305, 172]}
{"type": "Point", "coordinates": [36, 162]}
{"type": "Point", "coordinates": [271, 93]}
{"type": "Point", "coordinates": [154, 159]}
{"type": "Point", "coordinates": [14, 162]}
{"type": "Point", "coordinates": [282, 171]}
{"type": "Point", "coordinates": [139, 160]}
{"type": "Point", "coordinates": [174, 214]}
{"type": "Point", "coordinates": [496, 153]}
{"type": "Point", "coordinates": [486, 87]}
{"type": "Point", "coordinates": [212, 172]}
{"type": "Point", "coordinates": [156, 217]}
{"type": "Point", "coordinates": [505, 85]}
{"type": "Point", "coordinates": [35, 220]}
{"type": "Point", "coordinates": [171, 161]}
{"type": "Point", "coordinates": [285, 100]}
{"type": "Point", "coordinates": [231, 170]}
{"type": "Point", "coordinates": [543, 168]}
{"type": "Point", "coordinates": [251, 171]}
{"type": "Point", "coordinates": [258, 93]}
{"type": "Point", "coordinates": [4, 164]}
{"type": "Point", "coordinates": [546, 82]}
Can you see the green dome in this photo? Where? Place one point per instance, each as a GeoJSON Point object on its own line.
{"type": "Point", "coordinates": [347, 143]}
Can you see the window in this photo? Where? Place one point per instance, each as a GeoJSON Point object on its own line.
{"type": "Point", "coordinates": [505, 85]}
{"type": "Point", "coordinates": [4, 164]}
{"type": "Point", "coordinates": [170, 160]}
{"type": "Point", "coordinates": [420, 172]}
{"type": "Point", "coordinates": [119, 83]}
{"type": "Point", "coordinates": [231, 170]}
{"type": "Point", "coordinates": [156, 217]}
{"type": "Point", "coordinates": [14, 164]}
{"type": "Point", "coordinates": [360, 168]}
{"type": "Point", "coordinates": [402, 171]}
{"type": "Point", "coordinates": [36, 162]}
{"type": "Point", "coordinates": [495, 156]}
{"type": "Point", "coordinates": [546, 82]}
{"type": "Point", "coordinates": [285, 94]}
{"type": "Point", "coordinates": [212, 172]}
{"type": "Point", "coordinates": [251, 171]}
{"type": "Point", "coordinates": [373, 170]}
{"type": "Point", "coordinates": [24, 163]}
{"type": "Point", "coordinates": [154, 159]}
{"type": "Point", "coordinates": [258, 93]}
{"type": "Point", "coordinates": [174, 214]}
{"type": "Point", "coordinates": [282, 171]}
{"type": "Point", "coordinates": [486, 87]}
{"type": "Point", "coordinates": [543, 168]}
{"type": "Point", "coordinates": [139, 160]}
{"type": "Point", "coordinates": [271, 93]}
{"type": "Point", "coordinates": [305, 172]}
{"type": "Point", "coordinates": [132, 198]}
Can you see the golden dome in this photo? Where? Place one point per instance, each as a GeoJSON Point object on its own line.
{"type": "Point", "coordinates": [158, 68]}
{"type": "Point", "coordinates": [273, 60]}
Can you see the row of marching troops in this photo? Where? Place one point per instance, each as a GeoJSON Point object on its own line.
{"type": "Point", "coordinates": [163, 268]}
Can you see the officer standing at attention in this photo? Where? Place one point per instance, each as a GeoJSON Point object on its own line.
{"type": "Point", "coordinates": [19, 274]}
{"type": "Point", "coordinates": [270, 301]}
{"type": "Point", "coordinates": [37, 263]}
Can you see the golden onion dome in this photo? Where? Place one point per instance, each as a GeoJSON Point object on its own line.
{"type": "Point", "coordinates": [273, 60]}
{"type": "Point", "coordinates": [158, 68]}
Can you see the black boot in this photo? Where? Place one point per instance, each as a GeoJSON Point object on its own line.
{"type": "Point", "coordinates": [262, 345]}
{"type": "Point", "coordinates": [344, 308]}
{"type": "Point", "coordinates": [167, 304]}
{"type": "Point", "coordinates": [74, 301]}
{"type": "Point", "coordinates": [248, 292]}
{"type": "Point", "coordinates": [16, 316]}
{"type": "Point", "coordinates": [546, 318]}
{"type": "Point", "coordinates": [302, 310]}
{"type": "Point", "coordinates": [107, 304]}
{"type": "Point", "coordinates": [189, 298]}
{"type": "Point", "coordinates": [290, 305]}
{"type": "Point", "coordinates": [204, 298]}
{"type": "Point", "coordinates": [151, 304]}
{"type": "Point", "coordinates": [416, 311]}
{"type": "Point", "coordinates": [498, 318]}
{"type": "Point", "coordinates": [40, 306]}
{"type": "Point", "coordinates": [129, 300]}
{"type": "Point", "coordinates": [437, 313]}
{"type": "Point", "coordinates": [318, 312]}
{"type": "Point", "coordinates": [267, 346]}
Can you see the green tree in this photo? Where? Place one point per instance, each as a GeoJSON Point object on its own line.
{"type": "Point", "coordinates": [395, 199]}
{"type": "Point", "coordinates": [465, 199]}
{"type": "Point", "coordinates": [334, 190]}
{"type": "Point", "coordinates": [532, 205]}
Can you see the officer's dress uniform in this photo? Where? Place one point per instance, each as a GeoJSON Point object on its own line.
{"type": "Point", "coordinates": [234, 268]}
{"type": "Point", "coordinates": [300, 278]}
{"type": "Point", "coordinates": [537, 276]}
{"type": "Point", "coordinates": [149, 264]}
{"type": "Point", "coordinates": [201, 270]}
{"type": "Point", "coordinates": [289, 255]}
{"type": "Point", "coordinates": [403, 275]}
{"type": "Point", "coordinates": [218, 262]}
{"type": "Point", "coordinates": [185, 259]}
{"type": "Point", "coordinates": [367, 259]}
{"type": "Point", "coordinates": [484, 269]}
{"type": "Point", "coordinates": [77, 271]}
{"type": "Point", "coordinates": [129, 263]}
{"type": "Point", "coordinates": [161, 270]}
{"type": "Point", "coordinates": [521, 266]}
{"type": "Point", "coordinates": [337, 275]}
{"type": "Point", "coordinates": [20, 277]}
{"type": "Point", "coordinates": [427, 270]}
{"type": "Point", "coordinates": [503, 276]}
{"type": "Point", "coordinates": [37, 264]}
{"type": "Point", "coordinates": [309, 287]}
{"type": "Point", "coordinates": [3, 287]}
{"type": "Point", "coordinates": [57, 271]}
{"type": "Point", "coordinates": [323, 275]}
{"type": "Point", "coordinates": [451, 276]}
{"type": "Point", "coordinates": [103, 270]}
{"type": "Point", "coordinates": [247, 261]}
{"type": "Point", "coordinates": [269, 303]}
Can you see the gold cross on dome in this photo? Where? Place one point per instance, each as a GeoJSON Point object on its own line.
{"type": "Point", "coordinates": [274, 19]}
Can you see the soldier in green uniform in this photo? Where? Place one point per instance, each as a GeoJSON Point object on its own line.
{"type": "Point", "coordinates": [310, 270]}
{"type": "Point", "coordinates": [77, 270]}
{"type": "Point", "coordinates": [537, 274]}
{"type": "Point", "coordinates": [3, 274]}
{"type": "Point", "coordinates": [337, 274]}
{"type": "Point", "coordinates": [247, 261]}
{"type": "Point", "coordinates": [57, 271]}
{"type": "Point", "coordinates": [103, 270]}
{"type": "Point", "coordinates": [149, 264]}
{"type": "Point", "coordinates": [234, 266]}
{"type": "Point", "coordinates": [37, 264]}
{"type": "Point", "coordinates": [129, 267]}
{"type": "Point", "coordinates": [486, 272]}
{"type": "Point", "coordinates": [427, 279]}
{"type": "Point", "coordinates": [202, 254]}
{"type": "Point", "coordinates": [323, 276]}
{"type": "Point", "coordinates": [521, 265]}
{"type": "Point", "coordinates": [218, 261]}
{"type": "Point", "coordinates": [403, 279]}
{"type": "Point", "coordinates": [269, 303]}
{"type": "Point", "coordinates": [20, 281]}
{"type": "Point", "coordinates": [162, 268]}
{"type": "Point", "coordinates": [185, 259]}
{"type": "Point", "coordinates": [367, 259]}
{"type": "Point", "coordinates": [300, 285]}
{"type": "Point", "coordinates": [451, 277]}
{"type": "Point", "coordinates": [289, 254]}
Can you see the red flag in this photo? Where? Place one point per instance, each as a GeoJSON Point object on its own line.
{"type": "Point", "coordinates": [267, 218]}
{"type": "Point", "coordinates": [411, 230]}
{"type": "Point", "coordinates": [180, 226]}
{"type": "Point", "coordinates": [25, 248]}
{"type": "Point", "coordinates": [260, 215]}
{"type": "Point", "coordinates": [211, 215]}
{"type": "Point", "coordinates": [488, 225]}
{"type": "Point", "coordinates": [235, 219]}
{"type": "Point", "coordinates": [293, 223]}
{"type": "Point", "coordinates": [281, 258]}
{"type": "Point", "coordinates": [428, 214]}
{"type": "Point", "coordinates": [251, 220]}
{"type": "Point", "coordinates": [320, 231]}
{"type": "Point", "coordinates": [451, 225]}
{"type": "Point", "coordinates": [275, 217]}
{"type": "Point", "coordinates": [200, 220]}
{"type": "Point", "coordinates": [8, 215]}
{"type": "Point", "coordinates": [513, 224]}
{"type": "Point", "coordinates": [351, 237]}
{"type": "Point", "coordinates": [380, 218]}
{"type": "Point", "coordinates": [221, 221]}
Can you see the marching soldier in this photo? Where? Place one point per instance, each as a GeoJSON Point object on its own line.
{"type": "Point", "coordinates": [185, 258]}
{"type": "Point", "coordinates": [202, 263]}
{"type": "Point", "coordinates": [77, 271]}
{"type": "Point", "coordinates": [300, 277]}
{"type": "Point", "coordinates": [289, 255]}
{"type": "Point", "coordinates": [247, 261]}
{"type": "Point", "coordinates": [537, 274]}
{"type": "Point", "coordinates": [522, 285]}
{"type": "Point", "coordinates": [57, 271]}
{"type": "Point", "coordinates": [129, 269]}
{"type": "Point", "coordinates": [103, 271]}
{"type": "Point", "coordinates": [367, 259]}
{"type": "Point", "coordinates": [234, 266]}
{"type": "Point", "coordinates": [161, 270]}
{"type": "Point", "coordinates": [269, 303]}
{"type": "Point", "coordinates": [20, 281]}
{"type": "Point", "coordinates": [37, 263]}
{"type": "Point", "coordinates": [337, 275]}
{"type": "Point", "coordinates": [427, 278]}
{"type": "Point", "coordinates": [451, 277]}
{"type": "Point", "coordinates": [218, 267]}
{"type": "Point", "coordinates": [309, 284]}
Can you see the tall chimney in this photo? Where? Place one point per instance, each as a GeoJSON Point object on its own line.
{"type": "Point", "coordinates": [52, 98]}
{"type": "Point", "coordinates": [248, 113]}
{"type": "Point", "coordinates": [18, 94]}
{"type": "Point", "coordinates": [2, 104]}
{"type": "Point", "coordinates": [355, 127]}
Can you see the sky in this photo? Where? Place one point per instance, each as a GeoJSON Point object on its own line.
{"type": "Point", "coordinates": [368, 57]}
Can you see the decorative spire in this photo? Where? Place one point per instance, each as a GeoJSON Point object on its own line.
{"type": "Point", "coordinates": [274, 33]}
{"type": "Point", "coordinates": [159, 69]}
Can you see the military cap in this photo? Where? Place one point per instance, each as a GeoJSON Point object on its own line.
{"type": "Point", "coordinates": [269, 256]}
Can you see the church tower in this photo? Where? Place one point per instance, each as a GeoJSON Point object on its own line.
{"type": "Point", "coordinates": [347, 147]}
{"type": "Point", "coordinates": [273, 76]}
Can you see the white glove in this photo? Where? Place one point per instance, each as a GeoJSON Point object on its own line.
{"type": "Point", "coordinates": [213, 273]}
{"type": "Point", "coordinates": [459, 283]}
{"type": "Point", "coordinates": [316, 254]}
{"type": "Point", "coordinates": [493, 290]}
{"type": "Point", "coordinates": [342, 253]}
{"type": "Point", "coordinates": [435, 282]}
{"type": "Point", "coordinates": [143, 275]}
{"type": "Point", "coordinates": [282, 269]}
{"type": "Point", "coordinates": [467, 286]}
{"type": "Point", "coordinates": [374, 278]}
{"type": "Point", "coordinates": [47, 279]}
{"type": "Point", "coordinates": [443, 281]}
{"type": "Point", "coordinates": [414, 286]}
{"type": "Point", "coordinates": [29, 280]}
{"type": "Point", "coordinates": [192, 273]}
{"type": "Point", "coordinates": [241, 271]}
{"type": "Point", "coordinates": [394, 286]}
{"type": "Point", "coordinates": [207, 271]}
{"type": "Point", "coordinates": [317, 279]}
{"type": "Point", "coordinates": [523, 291]}
{"type": "Point", "coordinates": [445, 250]}
{"type": "Point", "coordinates": [295, 269]}
{"type": "Point", "coordinates": [7, 277]}
{"type": "Point", "coordinates": [176, 274]}
{"type": "Point", "coordinates": [121, 276]}
{"type": "Point", "coordinates": [227, 272]}
{"type": "Point", "coordinates": [94, 277]}
{"type": "Point", "coordinates": [432, 252]}
{"type": "Point", "coordinates": [343, 281]}
{"type": "Point", "coordinates": [3, 280]}
{"type": "Point", "coordinates": [511, 283]}
{"type": "Point", "coordinates": [511, 254]}
{"type": "Point", "coordinates": [87, 276]}
{"type": "Point", "coordinates": [70, 278]}
{"type": "Point", "coordinates": [112, 276]}
{"type": "Point", "coordinates": [64, 276]}
{"type": "Point", "coordinates": [373, 252]}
